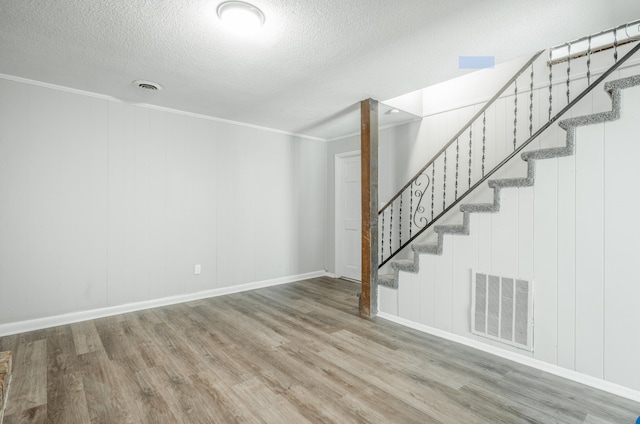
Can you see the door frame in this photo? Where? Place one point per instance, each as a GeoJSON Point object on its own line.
{"type": "Point", "coordinates": [338, 170]}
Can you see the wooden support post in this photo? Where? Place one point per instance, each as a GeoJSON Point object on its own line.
{"type": "Point", "coordinates": [369, 170]}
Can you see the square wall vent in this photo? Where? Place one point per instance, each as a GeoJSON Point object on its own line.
{"type": "Point", "coordinates": [502, 309]}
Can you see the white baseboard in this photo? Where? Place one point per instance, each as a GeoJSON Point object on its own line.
{"type": "Point", "coordinates": [594, 382]}
{"type": "Point", "coordinates": [70, 318]}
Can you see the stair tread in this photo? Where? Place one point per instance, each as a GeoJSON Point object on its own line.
{"type": "Point", "coordinates": [388, 280]}
{"type": "Point", "coordinates": [423, 245]}
{"type": "Point", "coordinates": [511, 182]}
{"type": "Point", "coordinates": [478, 207]}
{"type": "Point", "coordinates": [552, 152]}
{"type": "Point", "coordinates": [402, 263]}
{"type": "Point", "coordinates": [408, 265]}
{"type": "Point", "coordinates": [426, 248]}
{"type": "Point", "coordinates": [455, 228]}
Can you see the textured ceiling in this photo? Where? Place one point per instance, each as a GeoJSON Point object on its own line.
{"type": "Point", "coordinates": [311, 60]}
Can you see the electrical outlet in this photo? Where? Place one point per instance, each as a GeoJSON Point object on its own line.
{"type": "Point", "coordinates": [197, 270]}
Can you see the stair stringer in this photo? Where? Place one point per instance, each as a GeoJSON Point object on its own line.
{"type": "Point", "coordinates": [570, 125]}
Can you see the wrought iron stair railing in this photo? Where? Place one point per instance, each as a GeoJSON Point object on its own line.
{"type": "Point", "coordinates": [451, 175]}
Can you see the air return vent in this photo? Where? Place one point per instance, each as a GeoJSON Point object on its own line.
{"type": "Point", "coordinates": [147, 85]}
{"type": "Point", "coordinates": [502, 309]}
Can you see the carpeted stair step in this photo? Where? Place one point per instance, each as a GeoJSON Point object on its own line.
{"type": "Point", "coordinates": [428, 248]}
{"type": "Point", "coordinates": [462, 229]}
{"type": "Point", "coordinates": [408, 265]}
{"type": "Point", "coordinates": [511, 182]}
{"type": "Point", "coordinates": [480, 207]}
{"type": "Point", "coordinates": [451, 229]}
{"type": "Point", "coordinates": [388, 280]}
{"type": "Point", "coordinates": [554, 152]}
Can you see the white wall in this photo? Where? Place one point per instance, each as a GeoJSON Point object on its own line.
{"type": "Point", "coordinates": [104, 203]}
{"type": "Point", "coordinates": [574, 233]}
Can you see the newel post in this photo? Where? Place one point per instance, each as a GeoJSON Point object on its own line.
{"type": "Point", "coordinates": [369, 170]}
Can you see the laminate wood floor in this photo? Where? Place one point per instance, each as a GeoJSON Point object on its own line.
{"type": "Point", "coordinates": [295, 353]}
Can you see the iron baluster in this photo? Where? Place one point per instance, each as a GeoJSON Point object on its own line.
{"type": "Point", "coordinates": [457, 160]}
{"type": "Point", "coordinates": [433, 188]}
{"type": "Point", "coordinates": [484, 139]}
{"type": "Point", "coordinates": [470, 156]}
{"type": "Point", "coordinates": [569, 73]}
{"type": "Point", "coordinates": [382, 239]}
{"type": "Point", "coordinates": [391, 231]}
{"type": "Point", "coordinates": [589, 62]}
{"type": "Point", "coordinates": [411, 210]}
{"type": "Point", "coordinates": [615, 45]}
{"type": "Point", "coordinates": [419, 209]}
{"type": "Point", "coordinates": [515, 113]}
{"type": "Point", "coordinates": [531, 104]}
{"type": "Point", "coordinates": [444, 183]}
{"type": "Point", "coordinates": [400, 222]}
{"type": "Point", "coordinates": [550, 85]}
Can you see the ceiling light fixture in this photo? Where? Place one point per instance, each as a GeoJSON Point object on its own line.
{"type": "Point", "coordinates": [240, 16]}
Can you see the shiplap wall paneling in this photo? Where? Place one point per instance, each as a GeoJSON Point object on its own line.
{"type": "Point", "coordinates": [46, 224]}
{"type": "Point", "coordinates": [388, 300]}
{"type": "Point", "coordinates": [443, 286]}
{"type": "Point", "coordinates": [120, 208]}
{"type": "Point", "coordinates": [504, 242]}
{"type": "Point", "coordinates": [525, 231]}
{"type": "Point", "coordinates": [252, 181]}
{"type": "Point", "coordinates": [14, 257]}
{"type": "Point", "coordinates": [566, 261]}
{"type": "Point", "coordinates": [106, 203]}
{"type": "Point", "coordinates": [309, 165]}
{"type": "Point", "coordinates": [589, 297]}
{"type": "Point", "coordinates": [178, 231]}
{"type": "Point", "coordinates": [622, 290]}
{"type": "Point", "coordinates": [465, 254]}
{"type": "Point", "coordinates": [525, 247]}
{"type": "Point", "coordinates": [273, 164]}
{"type": "Point", "coordinates": [545, 264]}
{"type": "Point", "coordinates": [425, 291]}
{"type": "Point", "coordinates": [203, 203]}
{"type": "Point", "coordinates": [155, 143]}
{"type": "Point", "coordinates": [70, 162]}
{"type": "Point", "coordinates": [411, 301]}
{"type": "Point", "coordinates": [231, 192]}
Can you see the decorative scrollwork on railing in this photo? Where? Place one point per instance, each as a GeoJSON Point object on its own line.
{"type": "Point", "coordinates": [418, 218]}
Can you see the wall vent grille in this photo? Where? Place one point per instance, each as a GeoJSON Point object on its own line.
{"type": "Point", "coordinates": [502, 309]}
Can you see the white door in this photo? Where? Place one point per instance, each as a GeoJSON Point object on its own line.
{"type": "Point", "coordinates": [348, 217]}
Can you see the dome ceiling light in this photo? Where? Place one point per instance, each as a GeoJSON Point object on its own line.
{"type": "Point", "coordinates": [241, 17]}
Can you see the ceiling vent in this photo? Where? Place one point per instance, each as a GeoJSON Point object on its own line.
{"type": "Point", "coordinates": [147, 85]}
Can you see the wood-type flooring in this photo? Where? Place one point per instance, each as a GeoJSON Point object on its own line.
{"type": "Point", "coordinates": [295, 353]}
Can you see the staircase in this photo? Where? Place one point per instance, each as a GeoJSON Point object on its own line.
{"type": "Point", "coordinates": [531, 157]}
{"type": "Point", "coordinates": [422, 214]}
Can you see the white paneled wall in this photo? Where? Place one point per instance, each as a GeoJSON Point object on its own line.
{"type": "Point", "coordinates": [575, 233]}
{"type": "Point", "coordinates": [104, 203]}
